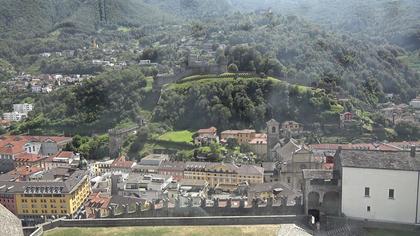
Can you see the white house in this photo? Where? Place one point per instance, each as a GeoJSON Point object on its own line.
{"type": "Point", "coordinates": [14, 116]}
{"type": "Point", "coordinates": [380, 186]}
{"type": "Point", "coordinates": [23, 108]}
{"type": "Point", "coordinates": [415, 103]}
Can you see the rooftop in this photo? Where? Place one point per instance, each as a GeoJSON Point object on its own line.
{"type": "Point", "coordinates": [356, 146]}
{"type": "Point", "coordinates": [28, 157]}
{"type": "Point", "coordinates": [208, 130]}
{"type": "Point", "coordinates": [58, 180]}
{"type": "Point", "coordinates": [317, 174]}
{"type": "Point", "coordinates": [243, 131]}
{"type": "Point", "coordinates": [379, 160]}
{"type": "Point", "coordinates": [121, 162]}
{"type": "Point", "coordinates": [154, 159]}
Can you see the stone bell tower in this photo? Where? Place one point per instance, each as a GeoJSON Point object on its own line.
{"type": "Point", "coordinates": [273, 137]}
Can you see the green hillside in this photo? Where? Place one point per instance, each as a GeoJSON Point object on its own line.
{"type": "Point", "coordinates": [28, 18]}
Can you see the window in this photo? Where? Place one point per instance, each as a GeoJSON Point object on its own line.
{"type": "Point", "coordinates": [368, 208]}
{"type": "Point", "coordinates": [367, 192]}
{"type": "Point", "coordinates": [391, 194]}
{"type": "Point", "coordinates": [288, 180]}
{"type": "Point", "coordinates": [273, 129]}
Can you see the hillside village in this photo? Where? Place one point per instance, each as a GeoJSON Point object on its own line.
{"type": "Point", "coordinates": [132, 109]}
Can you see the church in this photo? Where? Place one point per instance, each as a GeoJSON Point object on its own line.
{"type": "Point", "coordinates": [290, 156]}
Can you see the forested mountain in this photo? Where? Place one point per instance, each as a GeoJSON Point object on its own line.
{"type": "Point", "coordinates": [304, 53]}
{"type": "Point", "coordinates": [395, 20]}
{"type": "Point", "coordinates": [27, 18]}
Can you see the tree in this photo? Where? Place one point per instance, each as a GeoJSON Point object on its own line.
{"type": "Point", "coordinates": [233, 68]}
{"type": "Point", "coordinates": [231, 143]}
{"type": "Point", "coordinates": [2, 130]}
{"type": "Point", "coordinates": [245, 148]}
{"type": "Point", "coordinates": [407, 131]}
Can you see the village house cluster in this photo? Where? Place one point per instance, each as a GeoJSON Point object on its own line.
{"type": "Point", "coordinates": [44, 83]}
{"type": "Point", "coordinates": [20, 112]}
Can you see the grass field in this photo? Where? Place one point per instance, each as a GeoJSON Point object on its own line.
{"type": "Point", "coordinates": [266, 230]}
{"type": "Point", "coordinates": [183, 136]}
{"type": "Point", "coordinates": [202, 79]}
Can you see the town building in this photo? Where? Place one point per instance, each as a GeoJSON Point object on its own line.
{"type": "Point", "coordinates": [98, 206]}
{"type": "Point", "coordinates": [22, 108]}
{"type": "Point", "coordinates": [150, 164]}
{"type": "Point", "coordinates": [28, 150]}
{"type": "Point", "coordinates": [172, 168]}
{"type": "Point", "coordinates": [191, 192]}
{"type": "Point", "coordinates": [258, 145]}
{"type": "Point", "coordinates": [225, 176]}
{"type": "Point", "coordinates": [48, 194]}
{"type": "Point", "coordinates": [206, 136]}
{"type": "Point", "coordinates": [380, 186]}
{"type": "Point", "coordinates": [294, 158]}
{"type": "Point", "coordinates": [65, 159]}
{"type": "Point", "coordinates": [270, 190]}
{"type": "Point", "coordinates": [241, 136]}
{"type": "Point", "coordinates": [415, 103]}
{"type": "Point", "coordinates": [291, 128]}
{"type": "Point", "coordinates": [101, 167]}
{"type": "Point", "coordinates": [14, 116]}
{"type": "Point", "coordinates": [122, 165]}
{"type": "Point", "coordinates": [20, 112]}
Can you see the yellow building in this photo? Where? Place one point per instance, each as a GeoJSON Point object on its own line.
{"type": "Point", "coordinates": [101, 167]}
{"type": "Point", "coordinates": [55, 193]}
{"type": "Point", "coordinates": [241, 136]}
{"type": "Point", "coordinates": [225, 176]}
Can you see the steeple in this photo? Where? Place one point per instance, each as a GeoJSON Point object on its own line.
{"type": "Point", "coordinates": [273, 137]}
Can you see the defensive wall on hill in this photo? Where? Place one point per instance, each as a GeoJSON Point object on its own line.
{"type": "Point", "coordinates": [117, 137]}
{"type": "Point", "coordinates": [161, 80]}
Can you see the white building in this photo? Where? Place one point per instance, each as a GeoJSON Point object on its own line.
{"type": "Point", "coordinates": [23, 108]}
{"type": "Point", "coordinates": [14, 116]}
{"type": "Point", "coordinates": [381, 186]}
{"type": "Point", "coordinates": [415, 103]}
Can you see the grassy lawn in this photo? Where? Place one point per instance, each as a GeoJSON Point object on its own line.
{"type": "Point", "coordinates": [266, 230]}
{"type": "Point", "coordinates": [183, 136]}
{"type": "Point", "coordinates": [204, 79]}
{"type": "Point", "coordinates": [388, 232]}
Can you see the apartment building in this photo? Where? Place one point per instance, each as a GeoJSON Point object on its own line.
{"type": "Point", "coordinates": [225, 176]}
{"type": "Point", "coordinates": [58, 192]}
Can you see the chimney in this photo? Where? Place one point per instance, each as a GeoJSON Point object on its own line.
{"type": "Point", "coordinates": [413, 151]}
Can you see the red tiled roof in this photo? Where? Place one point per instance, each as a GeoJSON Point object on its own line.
{"type": "Point", "coordinates": [97, 201]}
{"type": "Point", "coordinates": [23, 171]}
{"type": "Point", "coordinates": [208, 130]}
{"type": "Point", "coordinates": [14, 144]}
{"type": "Point", "coordinates": [28, 157]}
{"type": "Point", "coordinates": [120, 162]}
{"type": "Point", "coordinates": [65, 154]}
